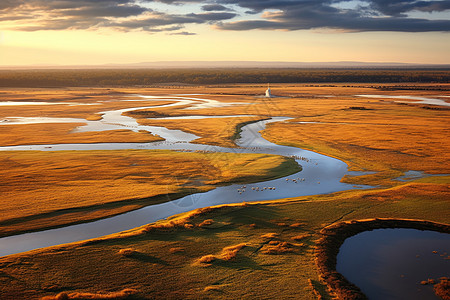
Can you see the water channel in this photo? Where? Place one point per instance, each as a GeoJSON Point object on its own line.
{"type": "Point", "coordinates": [320, 174]}
{"type": "Point", "coordinates": [382, 253]}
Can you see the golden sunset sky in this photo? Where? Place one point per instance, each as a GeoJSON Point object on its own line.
{"type": "Point", "coordinates": [95, 32]}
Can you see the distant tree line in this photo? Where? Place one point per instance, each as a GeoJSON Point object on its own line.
{"type": "Point", "coordinates": [148, 77]}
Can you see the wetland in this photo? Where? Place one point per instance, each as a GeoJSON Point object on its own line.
{"type": "Point", "coordinates": [183, 175]}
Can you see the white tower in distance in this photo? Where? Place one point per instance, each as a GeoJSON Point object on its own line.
{"type": "Point", "coordinates": [268, 94]}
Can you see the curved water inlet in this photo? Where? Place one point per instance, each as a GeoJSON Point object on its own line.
{"type": "Point", "coordinates": [114, 119]}
{"type": "Point", "coordinates": [320, 175]}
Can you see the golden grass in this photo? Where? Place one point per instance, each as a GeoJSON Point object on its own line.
{"type": "Point", "coordinates": [212, 288]}
{"type": "Point", "coordinates": [94, 117]}
{"type": "Point", "coordinates": [127, 252]}
{"type": "Point", "coordinates": [297, 225]}
{"type": "Point", "coordinates": [59, 182]}
{"type": "Point", "coordinates": [206, 223]}
{"type": "Point", "coordinates": [388, 137]}
{"type": "Point", "coordinates": [217, 131]}
{"type": "Point", "coordinates": [277, 247]}
{"type": "Point", "coordinates": [230, 252]}
{"type": "Point", "coordinates": [159, 275]}
{"type": "Point", "coordinates": [372, 139]}
{"type": "Point", "coordinates": [206, 259]}
{"type": "Point", "coordinates": [45, 134]}
{"type": "Point", "coordinates": [300, 237]}
{"type": "Point", "coordinates": [227, 253]}
{"type": "Point", "coordinates": [176, 250]}
{"type": "Point", "coordinates": [270, 235]}
{"type": "Point", "coordinates": [99, 100]}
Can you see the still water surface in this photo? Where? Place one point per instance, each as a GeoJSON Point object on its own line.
{"type": "Point", "coordinates": [390, 263]}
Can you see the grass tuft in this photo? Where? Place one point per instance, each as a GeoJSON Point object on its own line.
{"type": "Point", "coordinates": [300, 237]}
{"type": "Point", "coordinates": [212, 288]}
{"type": "Point", "coordinates": [176, 250]}
{"type": "Point", "coordinates": [206, 259]}
{"type": "Point", "coordinates": [229, 253]}
{"type": "Point", "coordinates": [270, 235]}
{"type": "Point", "coordinates": [277, 247]}
{"type": "Point", "coordinates": [205, 223]}
{"type": "Point", "coordinates": [297, 225]}
{"type": "Point", "coordinates": [127, 252]}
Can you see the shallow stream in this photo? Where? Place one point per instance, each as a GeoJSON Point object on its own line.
{"type": "Point", "coordinates": [385, 263]}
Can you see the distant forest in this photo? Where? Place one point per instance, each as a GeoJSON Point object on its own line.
{"type": "Point", "coordinates": [149, 77]}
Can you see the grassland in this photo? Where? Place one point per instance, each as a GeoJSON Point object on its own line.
{"type": "Point", "coordinates": [180, 258]}
{"type": "Point", "coordinates": [219, 132]}
{"type": "Point", "coordinates": [47, 189]}
{"type": "Point", "coordinates": [64, 103]}
{"type": "Point", "coordinates": [47, 134]}
{"type": "Point", "coordinates": [254, 250]}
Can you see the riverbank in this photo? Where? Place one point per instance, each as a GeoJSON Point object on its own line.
{"type": "Point", "coordinates": [332, 238]}
{"type": "Point", "coordinates": [70, 187]}
{"type": "Point", "coordinates": [263, 249]}
{"type": "Point", "coordinates": [183, 256]}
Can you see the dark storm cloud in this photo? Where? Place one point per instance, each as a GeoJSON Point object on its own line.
{"type": "Point", "coordinates": [211, 16]}
{"type": "Point", "coordinates": [398, 8]}
{"type": "Point", "coordinates": [61, 24]}
{"type": "Point", "coordinates": [156, 20]}
{"type": "Point", "coordinates": [361, 24]}
{"type": "Point", "coordinates": [214, 7]}
{"type": "Point", "coordinates": [83, 14]}
{"type": "Point", "coordinates": [108, 11]}
{"type": "Point", "coordinates": [367, 15]}
{"type": "Point", "coordinates": [374, 15]}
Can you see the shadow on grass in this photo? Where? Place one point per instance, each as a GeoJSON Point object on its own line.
{"type": "Point", "coordinates": [147, 258]}
{"type": "Point", "coordinates": [257, 216]}
{"type": "Point", "coordinates": [7, 276]}
{"type": "Point", "coordinates": [241, 263]}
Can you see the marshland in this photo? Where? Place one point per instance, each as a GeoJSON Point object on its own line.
{"type": "Point", "coordinates": [190, 184]}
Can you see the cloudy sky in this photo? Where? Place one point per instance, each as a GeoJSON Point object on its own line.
{"type": "Point", "coordinates": [70, 32]}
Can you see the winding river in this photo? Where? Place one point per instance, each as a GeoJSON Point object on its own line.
{"type": "Point", "coordinates": [320, 174]}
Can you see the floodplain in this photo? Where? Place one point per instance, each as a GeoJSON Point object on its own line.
{"type": "Point", "coordinates": [248, 250]}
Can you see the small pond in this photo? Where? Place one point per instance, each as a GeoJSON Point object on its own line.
{"type": "Point", "coordinates": [391, 263]}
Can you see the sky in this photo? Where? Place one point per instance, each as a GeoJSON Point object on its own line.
{"type": "Point", "coordinates": [96, 32]}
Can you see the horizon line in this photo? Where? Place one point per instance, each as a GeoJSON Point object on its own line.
{"type": "Point", "coordinates": [235, 64]}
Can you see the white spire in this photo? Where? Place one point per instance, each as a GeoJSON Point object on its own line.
{"type": "Point", "coordinates": [268, 94]}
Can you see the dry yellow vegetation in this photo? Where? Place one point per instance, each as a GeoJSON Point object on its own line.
{"type": "Point", "coordinates": [93, 100]}
{"type": "Point", "coordinates": [388, 137]}
{"type": "Point", "coordinates": [155, 271]}
{"type": "Point", "coordinates": [216, 131]}
{"type": "Point", "coordinates": [47, 134]}
{"type": "Point", "coordinates": [385, 136]}
{"type": "Point", "coordinates": [43, 189]}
